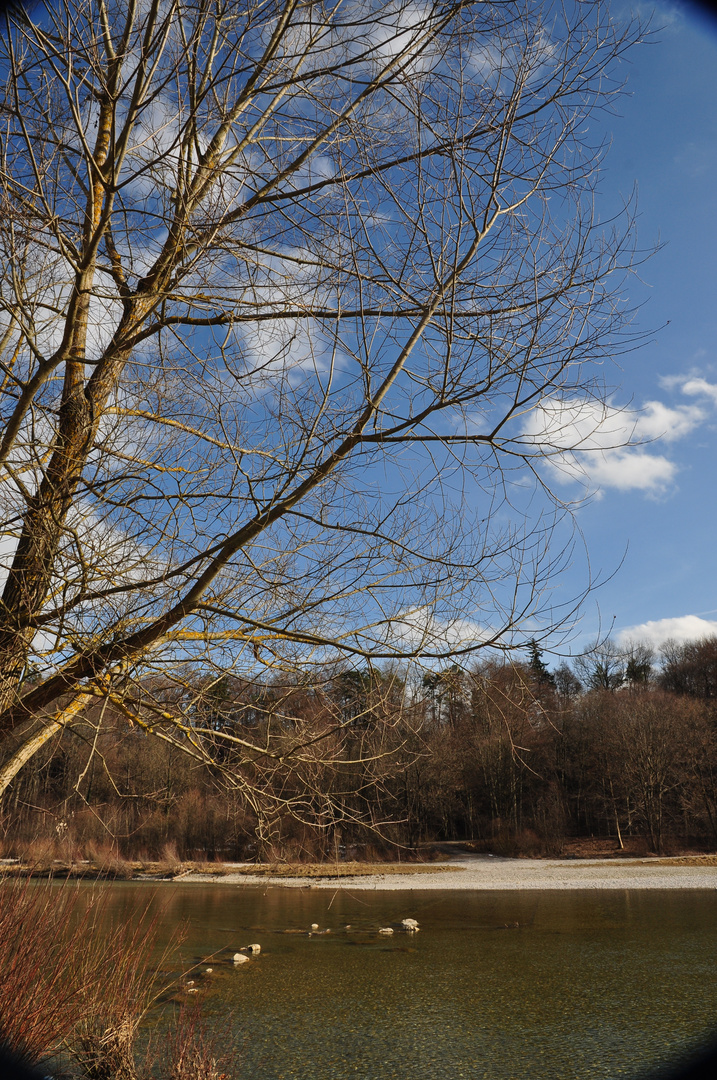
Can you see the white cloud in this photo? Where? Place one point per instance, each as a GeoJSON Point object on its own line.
{"type": "Point", "coordinates": [658, 421]}
{"type": "Point", "coordinates": [696, 387]}
{"type": "Point", "coordinates": [604, 446]}
{"type": "Point", "coordinates": [287, 347]}
{"type": "Point", "coordinates": [658, 631]}
{"type": "Point", "coordinates": [421, 630]}
{"type": "Point", "coordinates": [400, 30]}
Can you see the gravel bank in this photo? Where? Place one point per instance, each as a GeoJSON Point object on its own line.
{"type": "Point", "coordinates": [488, 872]}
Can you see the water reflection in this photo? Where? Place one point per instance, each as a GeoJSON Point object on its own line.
{"type": "Point", "coordinates": [503, 985]}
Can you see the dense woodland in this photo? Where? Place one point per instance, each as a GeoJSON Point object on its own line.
{"type": "Point", "coordinates": [509, 755]}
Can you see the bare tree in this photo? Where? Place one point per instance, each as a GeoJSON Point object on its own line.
{"type": "Point", "coordinates": [640, 663]}
{"type": "Point", "coordinates": [647, 737]}
{"type": "Point", "coordinates": [602, 666]}
{"type": "Point", "coordinates": [280, 285]}
{"type": "Point", "coordinates": [690, 668]}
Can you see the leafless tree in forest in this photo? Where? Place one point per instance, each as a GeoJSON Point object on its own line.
{"type": "Point", "coordinates": [602, 666]}
{"type": "Point", "coordinates": [690, 667]}
{"type": "Point", "coordinates": [281, 285]}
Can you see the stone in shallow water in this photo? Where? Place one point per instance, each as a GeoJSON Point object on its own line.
{"type": "Point", "coordinates": [240, 958]}
{"type": "Point", "coordinates": [385, 929]}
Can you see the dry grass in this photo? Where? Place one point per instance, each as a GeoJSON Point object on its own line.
{"type": "Point", "coordinates": [677, 860]}
{"type": "Point", "coordinates": [339, 870]}
{"type": "Point", "coordinates": [106, 865]}
{"type": "Point", "coordinates": [217, 869]}
{"type": "Point", "coordinates": [176, 869]}
{"type": "Point", "coordinates": [647, 860]}
{"type": "Point", "coordinates": [105, 860]}
{"type": "Point", "coordinates": [195, 1051]}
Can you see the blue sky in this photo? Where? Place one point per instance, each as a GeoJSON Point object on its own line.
{"type": "Point", "coordinates": [657, 505]}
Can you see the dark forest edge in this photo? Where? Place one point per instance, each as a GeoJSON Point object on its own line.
{"type": "Point", "coordinates": [616, 755]}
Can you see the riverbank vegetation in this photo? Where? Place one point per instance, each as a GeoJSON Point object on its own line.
{"type": "Point", "coordinates": [615, 755]}
{"type": "Point", "coordinates": [77, 987]}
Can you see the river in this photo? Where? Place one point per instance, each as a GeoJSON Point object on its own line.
{"type": "Point", "coordinates": [496, 985]}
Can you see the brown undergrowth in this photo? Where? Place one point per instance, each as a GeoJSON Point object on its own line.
{"type": "Point", "coordinates": [59, 858]}
{"type": "Point", "coordinates": [62, 858]}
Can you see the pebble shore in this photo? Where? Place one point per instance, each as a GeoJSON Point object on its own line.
{"type": "Point", "coordinates": [476, 872]}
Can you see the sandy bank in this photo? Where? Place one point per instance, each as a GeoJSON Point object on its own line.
{"type": "Point", "coordinates": [488, 872]}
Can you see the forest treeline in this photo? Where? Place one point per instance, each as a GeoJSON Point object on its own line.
{"type": "Point", "coordinates": [509, 755]}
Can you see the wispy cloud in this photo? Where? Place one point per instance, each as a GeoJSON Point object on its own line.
{"type": "Point", "coordinates": [692, 386]}
{"type": "Point", "coordinates": [420, 630]}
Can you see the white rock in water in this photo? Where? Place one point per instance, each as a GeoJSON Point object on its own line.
{"type": "Point", "coordinates": [208, 971]}
{"type": "Point", "coordinates": [409, 924]}
{"type": "Point", "coordinates": [385, 930]}
{"type": "Point", "coordinates": [192, 990]}
{"type": "Point", "coordinates": [240, 958]}
{"type": "Point", "coordinates": [253, 949]}
{"type": "Point", "coordinates": [314, 926]}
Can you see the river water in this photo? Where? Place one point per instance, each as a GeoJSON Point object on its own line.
{"type": "Point", "coordinates": [499, 985]}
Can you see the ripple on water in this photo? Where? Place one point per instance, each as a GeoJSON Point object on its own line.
{"type": "Point", "coordinates": [506, 986]}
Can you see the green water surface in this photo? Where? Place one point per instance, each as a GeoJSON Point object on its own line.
{"type": "Point", "coordinates": [586, 985]}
